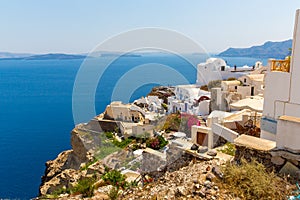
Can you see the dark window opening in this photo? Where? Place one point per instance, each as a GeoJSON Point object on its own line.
{"type": "Point", "coordinates": [252, 91]}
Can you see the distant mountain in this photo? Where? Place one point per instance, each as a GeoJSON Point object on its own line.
{"type": "Point", "coordinates": [50, 56]}
{"type": "Point", "coordinates": [269, 49]}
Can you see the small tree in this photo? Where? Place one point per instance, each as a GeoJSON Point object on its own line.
{"type": "Point", "coordinates": [115, 178]}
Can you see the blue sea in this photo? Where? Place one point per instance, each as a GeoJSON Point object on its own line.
{"type": "Point", "coordinates": [36, 113]}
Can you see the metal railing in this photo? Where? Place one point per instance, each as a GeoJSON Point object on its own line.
{"type": "Point", "coordinates": [280, 65]}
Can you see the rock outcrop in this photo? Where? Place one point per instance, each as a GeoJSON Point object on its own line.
{"type": "Point", "coordinates": [64, 171]}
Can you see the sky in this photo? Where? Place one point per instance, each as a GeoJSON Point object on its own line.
{"type": "Point", "coordinates": [78, 26]}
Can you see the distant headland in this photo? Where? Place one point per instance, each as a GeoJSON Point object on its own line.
{"type": "Point", "coordinates": [269, 49]}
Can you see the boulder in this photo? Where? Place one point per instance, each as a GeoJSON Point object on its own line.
{"type": "Point", "coordinates": [212, 152]}
{"type": "Point", "coordinates": [202, 149]}
{"type": "Point", "coordinates": [194, 147]}
{"type": "Point", "coordinates": [217, 172]}
{"type": "Point", "coordinates": [66, 178]}
{"type": "Point", "coordinates": [210, 176]}
{"type": "Point", "coordinates": [96, 168]}
{"type": "Point", "coordinates": [277, 160]}
{"type": "Point", "coordinates": [289, 169]}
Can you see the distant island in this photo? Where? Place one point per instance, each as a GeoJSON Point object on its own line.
{"type": "Point", "coordinates": [14, 55]}
{"type": "Point", "coordinates": [50, 56]}
{"type": "Point", "coordinates": [62, 56]}
{"type": "Point", "coordinates": [278, 50]}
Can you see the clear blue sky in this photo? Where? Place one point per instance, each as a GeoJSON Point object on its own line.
{"type": "Point", "coordinates": [73, 26]}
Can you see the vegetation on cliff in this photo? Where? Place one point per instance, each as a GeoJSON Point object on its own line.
{"type": "Point", "coordinates": [250, 180]}
{"type": "Point", "coordinates": [157, 142]}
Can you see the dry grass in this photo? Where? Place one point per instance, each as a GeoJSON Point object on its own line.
{"type": "Point", "coordinates": [252, 181]}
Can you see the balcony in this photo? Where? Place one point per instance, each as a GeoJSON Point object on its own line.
{"type": "Point", "coordinates": [280, 65]}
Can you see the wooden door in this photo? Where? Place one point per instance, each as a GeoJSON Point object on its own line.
{"type": "Point", "coordinates": [202, 139]}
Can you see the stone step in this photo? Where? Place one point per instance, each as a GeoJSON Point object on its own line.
{"type": "Point", "coordinates": [255, 143]}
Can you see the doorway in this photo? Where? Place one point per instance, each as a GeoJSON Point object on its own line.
{"type": "Point", "coordinates": [202, 139]}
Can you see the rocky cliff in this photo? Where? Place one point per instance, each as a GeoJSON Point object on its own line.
{"type": "Point", "coordinates": [65, 169]}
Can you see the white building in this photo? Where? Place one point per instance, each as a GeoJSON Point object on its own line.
{"type": "Point", "coordinates": [152, 103]}
{"type": "Point", "coordinates": [235, 90]}
{"type": "Point", "coordinates": [124, 112]}
{"type": "Point", "coordinates": [281, 114]}
{"type": "Point", "coordinates": [189, 99]}
{"type": "Point", "coordinates": [216, 69]}
{"type": "Point", "coordinates": [255, 83]}
{"type": "Point", "coordinates": [230, 86]}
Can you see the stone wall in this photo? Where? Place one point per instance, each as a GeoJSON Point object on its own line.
{"type": "Point", "coordinates": [283, 161]}
{"type": "Point", "coordinates": [247, 153]}
{"type": "Point", "coordinates": [109, 126]}
{"type": "Point", "coordinates": [155, 163]}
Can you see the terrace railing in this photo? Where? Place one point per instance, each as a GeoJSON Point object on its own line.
{"type": "Point", "coordinates": [280, 65]}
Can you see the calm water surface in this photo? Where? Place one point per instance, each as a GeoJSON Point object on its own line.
{"type": "Point", "coordinates": [36, 110]}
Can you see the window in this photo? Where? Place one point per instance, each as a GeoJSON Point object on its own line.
{"type": "Point", "coordinates": [252, 90]}
{"type": "Point", "coordinates": [245, 80]}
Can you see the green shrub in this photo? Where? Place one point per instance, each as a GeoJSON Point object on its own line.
{"type": "Point", "coordinates": [123, 143]}
{"type": "Point", "coordinates": [162, 141]}
{"type": "Point", "coordinates": [140, 138]}
{"type": "Point", "coordinates": [109, 135]}
{"type": "Point", "coordinates": [56, 193]}
{"type": "Point", "coordinates": [110, 145]}
{"type": "Point", "coordinates": [252, 181]}
{"type": "Point", "coordinates": [228, 148]}
{"type": "Point", "coordinates": [113, 194]}
{"type": "Point", "coordinates": [115, 178]}
{"type": "Point", "coordinates": [84, 187]}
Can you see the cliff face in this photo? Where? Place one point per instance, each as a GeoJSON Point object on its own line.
{"type": "Point", "coordinates": [64, 170]}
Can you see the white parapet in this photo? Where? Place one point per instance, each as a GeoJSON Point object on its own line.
{"type": "Point", "coordinates": [224, 132]}
{"type": "Point", "coordinates": [288, 135]}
